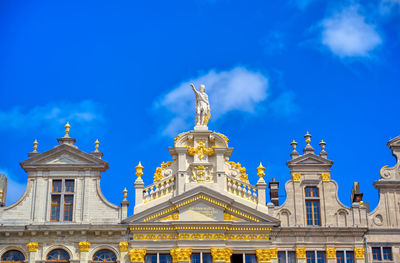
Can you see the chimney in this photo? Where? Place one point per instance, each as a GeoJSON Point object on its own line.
{"type": "Point", "coordinates": [274, 191]}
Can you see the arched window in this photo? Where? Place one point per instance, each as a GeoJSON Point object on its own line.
{"type": "Point", "coordinates": [104, 256]}
{"type": "Point", "coordinates": [13, 256]}
{"type": "Point", "coordinates": [58, 255]}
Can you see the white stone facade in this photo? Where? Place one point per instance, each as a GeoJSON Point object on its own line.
{"type": "Point", "coordinates": [200, 202]}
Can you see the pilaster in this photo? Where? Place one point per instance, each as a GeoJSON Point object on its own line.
{"type": "Point", "coordinates": [32, 249]}
{"type": "Point", "coordinates": [331, 255]}
{"type": "Point", "coordinates": [181, 255]}
{"type": "Point", "coordinates": [84, 247]}
{"type": "Point", "coordinates": [301, 255]}
{"type": "Point", "coordinates": [263, 255]}
{"type": "Point", "coordinates": [359, 255]}
{"type": "Point", "coordinates": [123, 249]}
{"type": "Point", "coordinates": [137, 255]}
{"type": "Point", "coordinates": [221, 255]}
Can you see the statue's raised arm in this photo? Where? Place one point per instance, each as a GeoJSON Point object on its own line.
{"type": "Point", "coordinates": [203, 112]}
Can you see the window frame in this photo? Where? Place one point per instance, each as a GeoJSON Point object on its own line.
{"type": "Point", "coordinates": [107, 250]}
{"type": "Point", "coordinates": [62, 194]}
{"type": "Point", "coordinates": [316, 252]}
{"type": "Point", "coordinates": [12, 250]}
{"type": "Point", "coordinates": [287, 252]}
{"type": "Point", "coordinates": [381, 249]}
{"type": "Point", "coordinates": [312, 201]}
{"type": "Point", "coordinates": [345, 254]}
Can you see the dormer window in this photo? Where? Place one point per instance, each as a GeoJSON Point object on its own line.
{"type": "Point", "coordinates": [312, 206]}
{"type": "Point", "coordinates": [62, 200]}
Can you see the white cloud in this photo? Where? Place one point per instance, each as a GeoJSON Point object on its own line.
{"type": "Point", "coordinates": [238, 89]}
{"type": "Point", "coordinates": [15, 189]}
{"type": "Point", "coordinates": [347, 34]}
{"type": "Point", "coordinates": [84, 115]}
{"type": "Point", "coordinates": [388, 6]}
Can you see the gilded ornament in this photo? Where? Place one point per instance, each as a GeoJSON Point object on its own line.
{"type": "Point", "coordinates": [200, 150]}
{"type": "Point", "coordinates": [359, 253]}
{"type": "Point", "coordinates": [174, 216]}
{"type": "Point", "coordinates": [137, 255]}
{"type": "Point", "coordinates": [243, 176]}
{"type": "Point", "coordinates": [274, 252]}
{"type": "Point", "coordinates": [123, 246]}
{"type": "Point", "coordinates": [296, 177]}
{"type": "Point", "coordinates": [35, 146]}
{"type": "Point", "coordinates": [84, 246]}
{"type": "Point", "coordinates": [158, 176]}
{"type": "Point", "coordinates": [263, 255]}
{"type": "Point", "coordinates": [226, 139]}
{"type": "Point", "coordinates": [139, 170]}
{"type": "Point", "coordinates": [300, 252]}
{"type": "Point", "coordinates": [221, 254]}
{"type": "Point", "coordinates": [32, 246]}
{"type": "Point", "coordinates": [261, 171]}
{"type": "Point", "coordinates": [229, 217]}
{"type": "Point", "coordinates": [326, 177]}
{"type": "Point", "coordinates": [67, 127]}
{"type": "Point", "coordinates": [201, 174]}
{"type": "Point", "coordinates": [331, 252]}
{"type": "Point", "coordinates": [180, 254]}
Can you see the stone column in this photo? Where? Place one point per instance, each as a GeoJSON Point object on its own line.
{"type": "Point", "coordinates": [123, 248]}
{"type": "Point", "coordinates": [331, 255]}
{"type": "Point", "coordinates": [84, 247]}
{"type": "Point", "coordinates": [32, 248]}
{"type": "Point", "coordinates": [136, 255]}
{"type": "Point", "coordinates": [301, 255]}
{"type": "Point", "coordinates": [220, 255]}
{"type": "Point", "coordinates": [359, 255]}
{"type": "Point", "coordinates": [181, 255]}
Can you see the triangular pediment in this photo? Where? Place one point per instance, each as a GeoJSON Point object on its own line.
{"type": "Point", "coordinates": [310, 159]}
{"type": "Point", "coordinates": [64, 156]}
{"type": "Point", "coordinates": [202, 204]}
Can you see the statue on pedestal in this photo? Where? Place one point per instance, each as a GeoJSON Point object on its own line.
{"type": "Point", "coordinates": [203, 111]}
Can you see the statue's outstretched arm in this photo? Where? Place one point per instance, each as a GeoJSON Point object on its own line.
{"type": "Point", "coordinates": [193, 88]}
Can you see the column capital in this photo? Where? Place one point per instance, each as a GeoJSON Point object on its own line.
{"type": "Point", "coordinates": [84, 246]}
{"type": "Point", "coordinates": [263, 255]}
{"type": "Point", "coordinates": [221, 254]}
{"type": "Point", "coordinates": [32, 246]}
{"type": "Point", "coordinates": [180, 254]}
{"type": "Point", "coordinates": [123, 246]}
{"type": "Point", "coordinates": [300, 252]}
{"type": "Point", "coordinates": [137, 254]}
{"type": "Point", "coordinates": [359, 253]}
{"type": "Point", "coordinates": [331, 252]}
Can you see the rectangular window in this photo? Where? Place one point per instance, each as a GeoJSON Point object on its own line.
{"type": "Point", "coordinates": [387, 253]}
{"type": "Point", "coordinates": [68, 204]}
{"type": "Point", "coordinates": [150, 258]}
{"type": "Point", "coordinates": [286, 257]}
{"type": "Point", "coordinates": [207, 258]}
{"type": "Point", "coordinates": [349, 257]}
{"type": "Point", "coordinates": [311, 191]}
{"type": "Point", "coordinates": [291, 257]}
{"type": "Point", "coordinates": [249, 258]}
{"type": "Point", "coordinates": [281, 257]}
{"type": "Point", "coordinates": [69, 186]}
{"type": "Point", "coordinates": [55, 208]}
{"type": "Point", "coordinates": [376, 253]}
{"type": "Point", "coordinates": [312, 213]}
{"type": "Point", "coordinates": [310, 257]}
{"type": "Point", "coordinates": [165, 258]}
{"type": "Point", "coordinates": [340, 257]}
{"type": "Point", "coordinates": [195, 258]}
{"type": "Point", "coordinates": [57, 186]}
{"type": "Point", "coordinates": [320, 257]}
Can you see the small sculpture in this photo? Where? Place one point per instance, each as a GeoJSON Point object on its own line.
{"type": "Point", "coordinates": [203, 111]}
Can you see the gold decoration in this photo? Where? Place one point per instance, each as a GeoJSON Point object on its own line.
{"type": "Point", "coordinates": [200, 150]}
{"type": "Point", "coordinates": [174, 216]}
{"type": "Point", "coordinates": [326, 177]}
{"type": "Point", "coordinates": [201, 174]}
{"type": "Point", "coordinates": [243, 176]}
{"type": "Point", "coordinates": [331, 252]}
{"type": "Point", "coordinates": [226, 139]}
{"type": "Point", "coordinates": [174, 228]}
{"type": "Point", "coordinates": [125, 194]}
{"type": "Point", "coordinates": [84, 246]}
{"type": "Point", "coordinates": [1, 196]}
{"type": "Point", "coordinates": [137, 255]}
{"type": "Point", "coordinates": [158, 174]}
{"type": "Point", "coordinates": [300, 252]}
{"type": "Point", "coordinates": [296, 177]}
{"type": "Point", "coordinates": [35, 145]}
{"type": "Point", "coordinates": [230, 217]}
{"type": "Point", "coordinates": [263, 255]}
{"type": "Point", "coordinates": [180, 254]}
{"type": "Point", "coordinates": [274, 252]}
{"type": "Point", "coordinates": [261, 171]}
{"type": "Point", "coordinates": [32, 246]}
{"type": "Point", "coordinates": [67, 127]}
{"type": "Point", "coordinates": [139, 170]}
{"type": "Point", "coordinates": [201, 236]}
{"type": "Point", "coordinates": [96, 145]}
{"type": "Point", "coordinates": [123, 246]}
{"type": "Point", "coordinates": [359, 253]}
{"type": "Point", "coordinates": [221, 254]}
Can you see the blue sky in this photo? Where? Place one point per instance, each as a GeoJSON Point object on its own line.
{"type": "Point", "coordinates": [119, 72]}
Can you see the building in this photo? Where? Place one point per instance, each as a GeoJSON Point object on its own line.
{"type": "Point", "coordinates": [201, 208]}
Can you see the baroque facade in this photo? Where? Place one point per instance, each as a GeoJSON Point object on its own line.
{"type": "Point", "coordinates": [201, 208]}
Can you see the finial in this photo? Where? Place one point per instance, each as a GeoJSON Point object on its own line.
{"type": "Point", "coordinates": [323, 153]}
{"type": "Point", "coordinates": [67, 127]}
{"type": "Point", "coordinates": [294, 153]}
{"type": "Point", "coordinates": [125, 193]}
{"type": "Point", "coordinates": [139, 170]}
{"type": "Point", "coordinates": [35, 145]}
{"type": "Point", "coordinates": [261, 171]}
{"type": "Point", "coordinates": [1, 196]}
{"type": "Point", "coordinates": [96, 146]}
{"type": "Point", "coordinates": [308, 148]}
